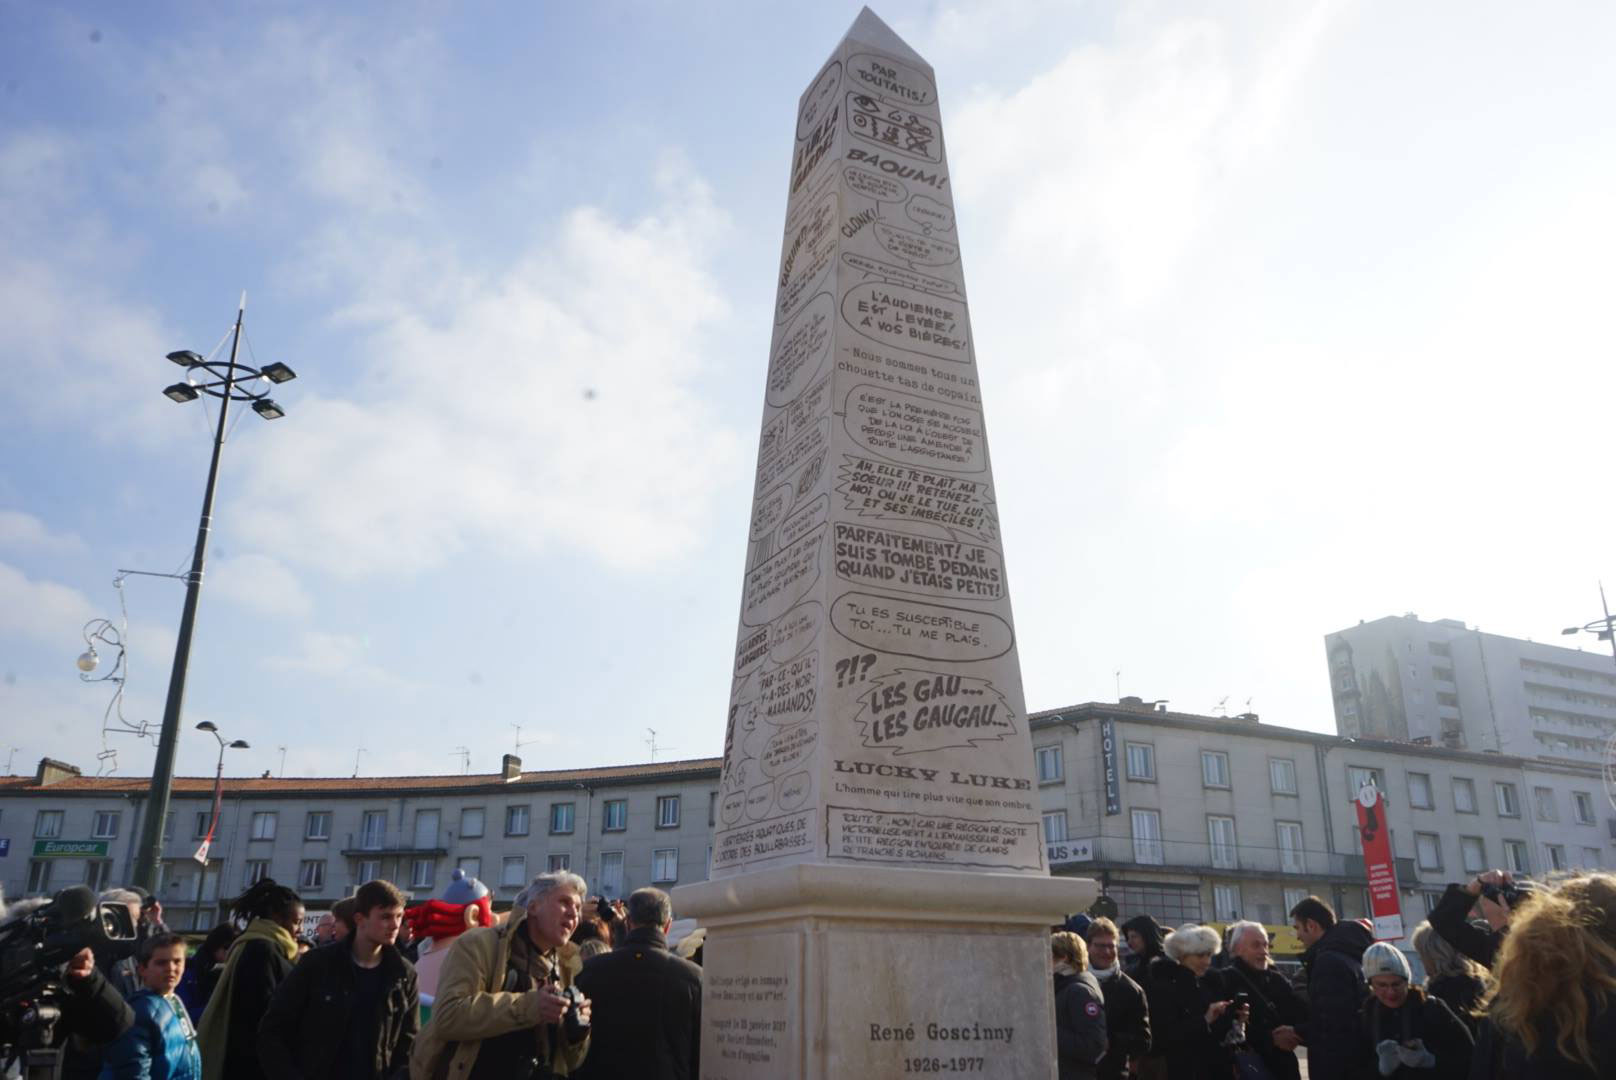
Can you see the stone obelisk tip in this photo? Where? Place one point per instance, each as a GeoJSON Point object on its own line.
{"type": "Point", "coordinates": [868, 29]}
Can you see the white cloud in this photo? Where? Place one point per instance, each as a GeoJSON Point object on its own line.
{"type": "Point", "coordinates": [261, 584]}
{"type": "Point", "coordinates": [20, 531]}
{"type": "Point", "coordinates": [41, 610]}
{"type": "Point", "coordinates": [336, 656]}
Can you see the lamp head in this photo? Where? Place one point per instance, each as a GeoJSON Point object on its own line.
{"type": "Point", "coordinates": [89, 660]}
{"type": "Point", "coordinates": [268, 409]}
{"type": "Point", "coordinates": [207, 725]}
{"type": "Point", "coordinates": [185, 358]}
{"type": "Point", "coordinates": [240, 744]}
{"type": "Point", "coordinates": [277, 372]}
{"type": "Point", "coordinates": [180, 392]}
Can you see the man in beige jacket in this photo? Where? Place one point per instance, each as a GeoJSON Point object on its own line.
{"type": "Point", "coordinates": [500, 1012]}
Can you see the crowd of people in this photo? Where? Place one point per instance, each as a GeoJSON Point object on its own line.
{"type": "Point", "coordinates": [1519, 984]}
{"type": "Point", "coordinates": [516, 999]}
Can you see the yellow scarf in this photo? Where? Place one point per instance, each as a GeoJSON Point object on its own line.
{"type": "Point", "coordinates": [213, 1030]}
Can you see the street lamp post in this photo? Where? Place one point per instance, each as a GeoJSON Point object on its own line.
{"type": "Point", "coordinates": [1604, 629]}
{"type": "Point", "coordinates": [232, 381]}
{"type": "Point", "coordinates": [218, 784]}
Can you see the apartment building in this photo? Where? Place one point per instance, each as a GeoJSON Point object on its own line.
{"type": "Point", "coordinates": [1442, 682]}
{"type": "Point", "coordinates": [1192, 817]}
{"type": "Point", "coordinates": [620, 827]}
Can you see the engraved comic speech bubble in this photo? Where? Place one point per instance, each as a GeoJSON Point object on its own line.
{"type": "Point", "coordinates": [916, 712]}
{"type": "Point", "coordinates": [890, 78]}
{"type": "Point", "coordinates": [789, 749]}
{"type": "Point", "coordinates": [915, 430]}
{"type": "Point", "coordinates": [874, 185]}
{"type": "Point", "coordinates": [801, 351]}
{"type": "Point", "coordinates": [913, 247]}
{"type": "Point", "coordinates": [794, 790]}
{"type": "Point", "coordinates": [782, 580]}
{"type": "Point", "coordinates": [924, 631]}
{"type": "Point", "coordinates": [907, 562]}
{"type": "Point", "coordinates": [795, 631]}
{"type": "Point", "coordinates": [819, 95]}
{"type": "Point", "coordinates": [786, 694]}
{"type": "Point", "coordinates": [898, 317]}
{"type": "Point", "coordinates": [899, 275]}
{"type": "Point", "coordinates": [927, 212]}
{"type": "Point", "coordinates": [811, 515]}
{"type": "Point", "coordinates": [882, 492]}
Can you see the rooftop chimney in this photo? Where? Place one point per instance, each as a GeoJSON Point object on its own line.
{"type": "Point", "coordinates": [51, 770]}
{"type": "Point", "coordinates": [511, 767]}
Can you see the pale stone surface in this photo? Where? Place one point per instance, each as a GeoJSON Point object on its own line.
{"type": "Point", "coordinates": [880, 901]}
{"type": "Point", "coordinates": [834, 971]}
{"type": "Point", "coordinates": [876, 714]}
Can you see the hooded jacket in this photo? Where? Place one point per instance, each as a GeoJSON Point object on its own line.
{"type": "Point", "coordinates": [1431, 1022]}
{"type": "Point", "coordinates": [160, 1046]}
{"type": "Point", "coordinates": [1335, 995]}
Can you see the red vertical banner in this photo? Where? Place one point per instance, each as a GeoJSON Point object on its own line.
{"type": "Point", "coordinates": [201, 855]}
{"type": "Point", "coordinates": [1384, 906]}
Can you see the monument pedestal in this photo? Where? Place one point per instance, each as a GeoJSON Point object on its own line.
{"type": "Point", "coordinates": [815, 971]}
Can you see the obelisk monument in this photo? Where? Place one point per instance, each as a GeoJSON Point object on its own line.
{"type": "Point", "coordinates": [880, 900]}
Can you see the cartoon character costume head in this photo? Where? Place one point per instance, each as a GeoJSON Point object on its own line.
{"type": "Point", "coordinates": [465, 903]}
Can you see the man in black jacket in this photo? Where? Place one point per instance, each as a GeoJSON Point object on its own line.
{"type": "Point", "coordinates": [646, 1001]}
{"type": "Point", "coordinates": [1335, 992]}
{"type": "Point", "coordinates": [1127, 1016]}
{"type": "Point", "coordinates": [1494, 892]}
{"type": "Point", "coordinates": [349, 1009]}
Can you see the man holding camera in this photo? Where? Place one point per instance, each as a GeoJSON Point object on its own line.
{"type": "Point", "coordinates": [1496, 893]}
{"type": "Point", "coordinates": [506, 1006]}
{"type": "Point", "coordinates": [650, 1026]}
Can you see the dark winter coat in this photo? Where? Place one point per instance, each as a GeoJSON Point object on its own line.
{"type": "Point", "coordinates": [1274, 1003]}
{"type": "Point", "coordinates": [1431, 1022]}
{"type": "Point", "coordinates": [1501, 1057]}
{"type": "Point", "coordinates": [1080, 1039]}
{"type": "Point", "coordinates": [1461, 993]}
{"type": "Point", "coordinates": [93, 1014]}
{"type": "Point", "coordinates": [1154, 934]}
{"type": "Point", "coordinates": [645, 1007]}
{"type": "Point", "coordinates": [1179, 1033]}
{"type": "Point", "coordinates": [1335, 995]}
{"type": "Point", "coordinates": [1127, 1024]}
{"type": "Point", "coordinates": [301, 1035]}
{"type": "Point", "coordinates": [1451, 919]}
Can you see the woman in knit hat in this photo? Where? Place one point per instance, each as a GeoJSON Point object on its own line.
{"type": "Point", "coordinates": [1553, 1010]}
{"type": "Point", "coordinates": [1410, 1035]}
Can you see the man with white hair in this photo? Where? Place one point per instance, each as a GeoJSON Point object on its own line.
{"type": "Point", "coordinates": [1274, 1003]}
{"type": "Point", "coordinates": [501, 1008]}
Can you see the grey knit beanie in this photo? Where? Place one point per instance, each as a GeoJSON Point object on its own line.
{"type": "Point", "coordinates": [1383, 959]}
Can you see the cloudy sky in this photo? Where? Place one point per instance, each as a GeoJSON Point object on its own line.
{"type": "Point", "coordinates": [1287, 315]}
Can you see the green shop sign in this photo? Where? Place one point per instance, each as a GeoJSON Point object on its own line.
{"type": "Point", "coordinates": [70, 849]}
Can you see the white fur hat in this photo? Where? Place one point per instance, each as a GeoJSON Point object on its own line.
{"type": "Point", "coordinates": [1192, 940]}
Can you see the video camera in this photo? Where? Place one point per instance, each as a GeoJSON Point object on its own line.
{"type": "Point", "coordinates": [34, 949]}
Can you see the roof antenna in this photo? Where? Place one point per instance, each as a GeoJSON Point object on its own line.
{"type": "Point", "coordinates": [357, 752]}
{"type": "Point", "coordinates": [464, 754]}
{"type": "Point", "coordinates": [652, 743]}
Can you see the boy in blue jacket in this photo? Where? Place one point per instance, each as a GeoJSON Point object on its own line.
{"type": "Point", "coordinates": [162, 1043]}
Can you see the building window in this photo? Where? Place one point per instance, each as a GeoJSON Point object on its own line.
{"type": "Point", "coordinates": [513, 871]}
{"type": "Point", "coordinates": [369, 870]}
{"type": "Point", "coordinates": [667, 813]}
{"type": "Point", "coordinates": [1220, 838]}
{"type": "Point", "coordinates": [1282, 776]}
{"type": "Point", "coordinates": [263, 825]}
{"type": "Point", "coordinates": [1226, 902]}
{"type": "Point", "coordinates": [611, 874]}
{"type": "Point", "coordinates": [1419, 791]}
{"type": "Point", "coordinates": [1147, 845]}
{"type": "Point", "coordinates": [1141, 761]}
{"type": "Point", "coordinates": [561, 817]}
{"type": "Point", "coordinates": [311, 875]}
{"type": "Point", "coordinates": [471, 822]}
{"type": "Point", "coordinates": [614, 816]}
{"type": "Point", "coordinates": [1464, 795]}
{"type": "Point", "coordinates": [516, 821]}
{"type": "Point", "coordinates": [470, 865]}
{"type": "Point", "coordinates": [1438, 648]}
{"type": "Point", "coordinates": [1428, 850]}
{"type": "Point", "coordinates": [168, 826]}
{"type": "Point", "coordinates": [39, 875]}
{"type": "Point", "coordinates": [373, 830]}
{"type": "Point", "coordinates": [422, 871]}
{"type": "Point", "coordinates": [1582, 805]}
{"type": "Point", "coordinates": [1048, 759]}
{"type": "Point", "coordinates": [561, 860]}
{"type": "Point", "coordinates": [1214, 768]}
{"type": "Point", "coordinates": [1509, 801]}
{"type": "Point", "coordinates": [98, 874]}
{"type": "Point", "coordinates": [1515, 860]}
{"type": "Point", "coordinates": [1473, 854]}
{"type": "Point", "coordinates": [1055, 827]}
{"type": "Point", "coordinates": [318, 825]}
{"type": "Point", "coordinates": [1591, 859]}
{"type": "Point", "coordinates": [1358, 776]}
{"type": "Point", "coordinates": [48, 825]}
{"type": "Point", "coordinates": [426, 829]}
{"type": "Point", "coordinates": [203, 819]}
{"type": "Point", "coordinates": [1554, 857]}
{"type": "Point", "coordinates": [256, 870]}
{"type": "Point", "coordinates": [1290, 848]}
{"type": "Point", "coordinates": [664, 865]}
{"type": "Point", "coordinates": [106, 825]}
{"type": "Point", "coordinates": [1292, 898]}
{"type": "Point", "coordinates": [712, 809]}
{"type": "Point", "coordinates": [1543, 799]}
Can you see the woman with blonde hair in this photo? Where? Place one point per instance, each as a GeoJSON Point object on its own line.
{"type": "Point", "coordinates": [1454, 978]}
{"type": "Point", "coordinates": [1553, 1007]}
